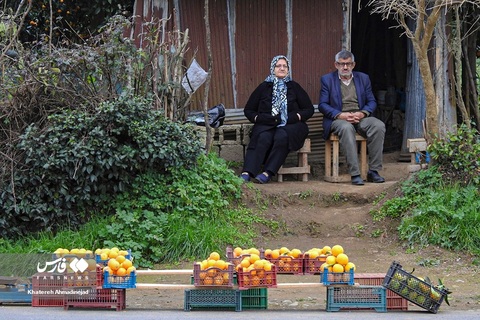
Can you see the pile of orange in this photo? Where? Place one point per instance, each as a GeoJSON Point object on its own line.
{"type": "Point", "coordinates": [254, 271]}
{"type": "Point", "coordinates": [80, 253]}
{"type": "Point", "coordinates": [117, 262]}
{"type": "Point", "coordinates": [286, 260]}
{"type": "Point", "coordinates": [213, 271]}
{"type": "Point", "coordinates": [337, 261]}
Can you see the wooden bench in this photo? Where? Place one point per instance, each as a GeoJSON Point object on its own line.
{"type": "Point", "coordinates": [332, 161]}
{"type": "Point", "coordinates": [302, 168]}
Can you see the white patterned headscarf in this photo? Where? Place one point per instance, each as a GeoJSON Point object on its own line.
{"type": "Point", "coordinates": [279, 97]}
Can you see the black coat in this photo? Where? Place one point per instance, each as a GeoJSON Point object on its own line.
{"type": "Point", "coordinates": [260, 105]}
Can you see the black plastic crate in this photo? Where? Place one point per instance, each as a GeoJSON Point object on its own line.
{"type": "Point", "coordinates": [414, 289]}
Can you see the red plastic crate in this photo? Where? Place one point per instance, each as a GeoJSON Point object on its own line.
{"type": "Point", "coordinates": [89, 278]}
{"type": "Point", "coordinates": [235, 260]}
{"type": "Point", "coordinates": [97, 298]}
{"type": "Point", "coordinates": [213, 277]}
{"type": "Point", "coordinates": [257, 278]}
{"type": "Point", "coordinates": [394, 301]}
{"type": "Point", "coordinates": [287, 264]}
{"type": "Point", "coordinates": [312, 265]}
{"type": "Point", "coordinates": [47, 289]}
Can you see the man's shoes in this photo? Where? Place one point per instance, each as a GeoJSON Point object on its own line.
{"type": "Point", "coordinates": [373, 176]}
{"type": "Point", "coordinates": [262, 178]}
{"type": "Point", "coordinates": [357, 181]}
{"type": "Point", "coordinates": [245, 176]}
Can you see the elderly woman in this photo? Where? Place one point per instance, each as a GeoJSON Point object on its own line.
{"type": "Point", "coordinates": [279, 108]}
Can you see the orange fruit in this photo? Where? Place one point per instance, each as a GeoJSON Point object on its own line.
{"type": "Point", "coordinates": [342, 258]}
{"type": "Point", "coordinates": [284, 250]}
{"type": "Point", "coordinates": [237, 252]}
{"type": "Point", "coordinates": [222, 265]}
{"type": "Point", "coordinates": [210, 262]}
{"type": "Point", "coordinates": [254, 251]}
{"type": "Point", "coordinates": [337, 268]}
{"type": "Point", "coordinates": [208, 281]}
{"type": "Point", "coordinates": [326, 250]}
{"type": "Point", "coordinates": [218, 280]}
{"type": "Point", "coordinates": [104, 256]}
{"type": "Point", "coordinates": [131, 269]}
{"type": "Point", "coordinates": [245, 263]}
{"type": "Point", "coordinates": [275, 253]}
{"type": "Point", "coordinates": [113, 264]}
{"type": "Point", "coordinates": [337, 249]}
{"type": "Point", "coordinates": [121, 272]}
{"type": "Point", "coordinates": [214, 256]}
{"type": "Point", "coordinates": [254, 257]}
{"type": "Point", "coordinates": [120, 258]}
{"type": "Point", "coordinates": [112, 254]}
{"type": "Point", "coordinates": [126, 263]}
{"type": "Point", "coordinates": [123, 252]}
{"type": "Point", "coordinates": [295, 253]}
{"type": "Point", "coordinates": [258, 264]}
{"type": "Point", "coordinates": [349, 266]}
{"type": "Point", "coordinates": [331, 260]}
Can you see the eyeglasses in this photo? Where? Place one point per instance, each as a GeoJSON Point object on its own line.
{"type": "Point", "coordinates": [346, 64]}
{"type": "Point", "coordinates": [281, 66]}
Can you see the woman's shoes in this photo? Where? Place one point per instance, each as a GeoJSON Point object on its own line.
{"type": "Point", "coordinates": [245, 176]}
{"type": "Point", "coordinates": [262, 178]}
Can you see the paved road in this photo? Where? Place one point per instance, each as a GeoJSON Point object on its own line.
{"type": "Point", "coordinates": [27, 312]}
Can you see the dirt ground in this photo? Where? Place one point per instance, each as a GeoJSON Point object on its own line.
{"type": "Point", "coordinates": [318, 213]}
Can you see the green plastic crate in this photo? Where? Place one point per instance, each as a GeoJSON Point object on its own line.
{"type": "Point", "coordinates": [255, 298]}
{"type": "Point", "coordinates": [213, 299]}
{"type": "Point", "coordinates": [356, 297]}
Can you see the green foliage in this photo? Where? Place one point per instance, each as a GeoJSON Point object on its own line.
{"type": "Point", "coordinates": [183, 215]}
{"type": "Point", "coordinates": [447, 217]}
{"type": "Point", "coordinates": [71, 20]}
{"type": "Point", "coordinates": [458, 156]}
{"type": "Point", "coordinates": [75, 165]}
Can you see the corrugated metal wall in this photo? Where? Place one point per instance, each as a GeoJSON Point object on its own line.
{"type": "Point", "coordinates": [260, 31]}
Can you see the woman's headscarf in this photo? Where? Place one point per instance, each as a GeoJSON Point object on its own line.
{"type": "Point", "coordinates": [279, 97]}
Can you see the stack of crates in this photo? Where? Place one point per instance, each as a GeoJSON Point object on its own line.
{"type": "Point", "coordinates": [394, 301]}
{"type": "Point", "coordinates": [47, 289]}
{"type": "Point", "coordinates": [225, 297]}
{"type": "Point", "coordinates": [342, 293]}
{"type": "Point", "coordinates": [96, 298]}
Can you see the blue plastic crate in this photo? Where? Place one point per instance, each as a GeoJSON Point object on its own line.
{"type": "Point", "coordinates": [357, 297]}
{"type": "Point", "coordinates": [333, 278]}
{"type": "Point", "coordinates": [119, 282]}
{"type": "Point", "coordinates": [212, 299]}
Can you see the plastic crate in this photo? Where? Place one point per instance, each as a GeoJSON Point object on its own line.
{"type": "Point", "coordinates": [257, 278]}
{"type": "Point", "coordinates": [356, 297]}
{"type": "Point", "coordinates": [312, 265]}
{"type": "Point", "coordinates": [92, 278]}
{"type": "Point", "coordinates": [413, 289]}
{"type": "Point", "coordinates": [119, 282]}
{"type": "Point", "coordinates": [287, 264]}
{"type": "Point", "coordinates": [213, 299]}
{"type": "Point", "coordinates": [97, 298]}
{"type": "Point", "coordinates": [213, 277]}
{"type": "Point", "coordinates": [18, 293]}
{"type": "Point", "coordinates": [332, 278]}
{"type": "Point", "coordinates": [47, 289]}
{"type": "Point", "coordinates": [235, 260]}
{"type": "Point", "coordinates": [255, 298]}
{"type": "Point", "coordinates": [394, 301]}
